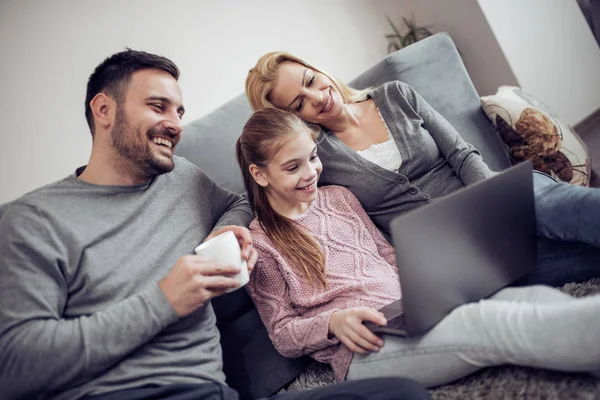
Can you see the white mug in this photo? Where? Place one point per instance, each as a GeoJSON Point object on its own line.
{"type": "Point", "coordinates": [225, 249]}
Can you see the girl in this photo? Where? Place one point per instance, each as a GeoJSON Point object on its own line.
{"type": "Point", "coordinates": [324, 268]}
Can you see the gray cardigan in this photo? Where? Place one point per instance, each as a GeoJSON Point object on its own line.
{"type": "Point", "coordinates": [435, 159]}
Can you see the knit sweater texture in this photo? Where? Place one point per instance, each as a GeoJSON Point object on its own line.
{"type": "Point", "coordinates": [360, 269]}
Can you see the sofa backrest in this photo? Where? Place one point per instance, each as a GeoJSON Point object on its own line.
{"type": "Point", "coordinates": [209, 142]}
{"type": "Point", "coordinates": [433, 67]}
{"type": "Point", "coordinates": [3, 208]}
{"type": "Point", "coordinates": [435, 70]}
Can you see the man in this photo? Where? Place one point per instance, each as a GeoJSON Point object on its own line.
{"type": "Point", "coordinates": [101, 296]}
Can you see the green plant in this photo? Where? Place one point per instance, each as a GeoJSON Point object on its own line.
{"type": "Point", "coordinates": [408, 34]}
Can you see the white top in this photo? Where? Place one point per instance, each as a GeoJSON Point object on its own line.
{"type": "Point", "coordinates": [385, 154]}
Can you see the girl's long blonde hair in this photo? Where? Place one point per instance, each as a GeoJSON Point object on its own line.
{"type": "Point", "coordinates": [262, 79]}
{"type": "Point", "coordinates": [262, 137]}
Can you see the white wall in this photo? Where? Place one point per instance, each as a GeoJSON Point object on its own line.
{"type": "Point", "coordinates": [49, 48]}
{"type": "Point", "coordinates": [468, 27]}
{"type": "Point", "coordinates": [551, 51]}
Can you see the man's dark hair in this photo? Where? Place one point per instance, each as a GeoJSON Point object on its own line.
{"type": "Point", "coordinates": [113, 75]}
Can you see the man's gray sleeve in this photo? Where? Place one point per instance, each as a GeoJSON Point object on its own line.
{"type": "Point", "coordinates": [40, 348]}
{"type": "Point", "coordinates": [236, 210]}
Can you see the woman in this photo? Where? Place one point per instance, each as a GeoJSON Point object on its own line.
{"type": "Point", "coordinates": [395, 153]}
{"type": "Point", "coordinates": [324, 268]}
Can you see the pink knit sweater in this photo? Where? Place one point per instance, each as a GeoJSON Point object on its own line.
{"type": "Point", "coordinates": [361, 271]}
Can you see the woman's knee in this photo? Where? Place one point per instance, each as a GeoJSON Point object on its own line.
{"type": "Point", "coordinates": [531, 294]}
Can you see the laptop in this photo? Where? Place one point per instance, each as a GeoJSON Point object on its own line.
{"type": "Point", "coordinates": [461, 248]}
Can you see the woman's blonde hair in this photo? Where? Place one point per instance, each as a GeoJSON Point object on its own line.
{"type": "Point", "coordinates": [263, 77]}
{"type": "Point", "coordinates": [262, 137]}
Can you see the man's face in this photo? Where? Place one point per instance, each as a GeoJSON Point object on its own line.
{"type": "Point", "coordinates": [148, 123]}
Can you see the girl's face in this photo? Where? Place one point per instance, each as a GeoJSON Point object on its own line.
{"type": "Point", "coordinates": [291, 175]}
{"type": "Point", "coordinates": [307, 93]}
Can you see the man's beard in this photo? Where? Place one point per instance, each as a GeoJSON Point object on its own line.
{"type": "Point", "coordinates": [135, 148]}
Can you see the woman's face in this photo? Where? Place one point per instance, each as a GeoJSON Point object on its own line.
{"type": "Point", "coordinates": [307, 93]}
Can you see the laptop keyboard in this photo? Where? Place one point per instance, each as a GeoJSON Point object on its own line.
{"type": "Point", "coordinates": [397, 322]}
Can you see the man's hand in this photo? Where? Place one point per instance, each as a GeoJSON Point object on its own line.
{"type": "Point", "coordinates": [244, 238]}
{"type": "Point", "coordinates": [347, 326]}
{"type": "Point", "coordinates": [192, 282]}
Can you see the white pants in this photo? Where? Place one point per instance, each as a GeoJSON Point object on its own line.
{"type": "Point", "coordinates": [534, 326]}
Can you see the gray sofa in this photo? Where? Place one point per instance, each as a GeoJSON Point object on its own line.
{"type": "Point", "coordinates": [252, 366]}
{"type": "Point", "coordinates": [434, 68]}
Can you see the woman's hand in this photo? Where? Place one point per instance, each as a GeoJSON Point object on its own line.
{"type": "Point", "coordinates": [243, 236]}
{"type": "Point", "coordinates": [347, 326]}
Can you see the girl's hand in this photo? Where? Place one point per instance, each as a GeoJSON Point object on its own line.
{"type": "Point", "coordinates": [347, 326]}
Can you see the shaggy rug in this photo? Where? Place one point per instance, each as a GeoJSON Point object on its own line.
{"type": "Point", "coordinates": [505, 382]}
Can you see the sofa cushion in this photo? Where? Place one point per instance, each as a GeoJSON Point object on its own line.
{"type": "Point", "coordinates": [209, 142]}
{"type": "Point", "coordinates": [531, 131]}
{"type": "Point", "coordinates": [251, 364]}
{"type": "Point", "coordinates": [433, 68]}
{"type": "Point", "coordinates": [3, 208]}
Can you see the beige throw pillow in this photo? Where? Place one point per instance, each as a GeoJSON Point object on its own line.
{"type": "Point", "coordinates": [531, 131]}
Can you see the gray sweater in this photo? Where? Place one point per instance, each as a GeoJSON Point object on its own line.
{"type": "Point", "coordinates": [435, 159]}
{"type": "Point", "coordinates": [80, 309]}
